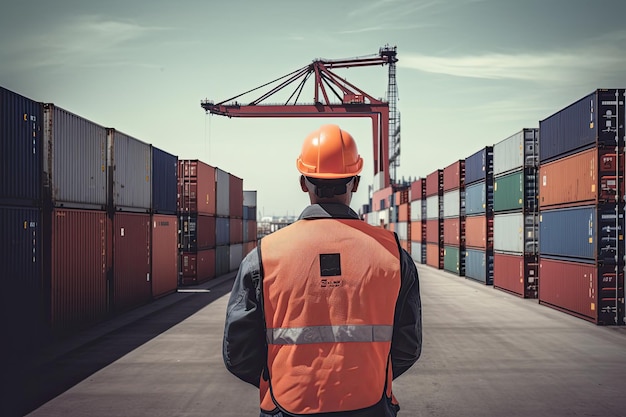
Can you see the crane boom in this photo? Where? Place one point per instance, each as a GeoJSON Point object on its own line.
{"type": "Point", "coordinates": [333, 97]}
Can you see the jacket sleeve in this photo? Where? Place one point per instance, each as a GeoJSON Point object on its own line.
{"type": "Point", "coordinates": [244, 347]}
{"type": "Point", "coordinates": [406, 343]}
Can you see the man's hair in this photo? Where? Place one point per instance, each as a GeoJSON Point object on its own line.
{"type": "Point", "coordinates": [328, 188]}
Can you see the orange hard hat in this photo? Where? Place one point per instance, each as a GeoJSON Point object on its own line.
{"type": "Point", "coordinates": [328, 153]}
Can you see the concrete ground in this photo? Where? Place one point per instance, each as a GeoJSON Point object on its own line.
{"type": "Point", "coordinates": [485, 353]}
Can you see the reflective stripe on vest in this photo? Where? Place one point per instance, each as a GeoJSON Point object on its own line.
{"type": "Point", "coordinates": [329, 292]}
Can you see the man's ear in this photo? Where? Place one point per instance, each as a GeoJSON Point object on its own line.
{"type": "Point", "coordinates": [303, 184]}
{"type": "Point", "coordinates": [355, 183]}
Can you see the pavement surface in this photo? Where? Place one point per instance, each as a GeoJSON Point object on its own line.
{"type": "Point", "coordinates": [485, 353]}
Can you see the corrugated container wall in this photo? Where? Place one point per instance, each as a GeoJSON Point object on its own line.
{"type": "Point", "coordinates": [164, 254]}
{"type": "Point", "coordinates": [222, 192]}
{"type": "Point", "coordinates": [196, 187]}
{"type": "Point", "coordinates": [75, 149]}
{"type": "Point", "coordinates": [235, 195]}
{"type": "Point", "coordinates": [479, 165]}
{"type": "Point", "coordinates": [516, 151]}
{"type": "Point", "coordinates": [452, 203]}
{"type": "Point", "coordinates": [21, 136]}
{"type": "Point", "coordinates": [569, 232]}
{"type": "Point", "coordinates": [508, 191]}
{"type": "Point", "coordinates": [475, 198]}
{"type": "Point", "coordinates": [508, 232]}
{"type": "Point", "coordinates": [197, 232]}
{"type": "Point", "coordinates": [22, 294]}
{"type": "Point", "coordinates": [418, 189]}
{"type": "Point", "coordinates": [164, 182]}
{"type": "Point", "coordinates": [78, 245]}
{"type": "Point", "coordinates": [454, 175]}
{"type": "Point", "coordinates": [434, 183]}
{"type": "Point", "coordinates": [131, 169]}
{"type": "Point", "coordinates": [590, 121]}
{"type": "Point", "coordinates": [249, 198]}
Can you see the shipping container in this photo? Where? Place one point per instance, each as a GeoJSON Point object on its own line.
{"type": "Point", "coordinates": [434, 207]}
{"type": "Point", "coordinates": [235, 195]}
{"type": "Point", "coordinates": [222, 260]}
{"type": "Point", "coordinates": [164, 254]}
{"type": "Point", "coordinates": [249, 198]}
{"type": "Point", "coordinates": [510, 233]}
{"type": "Point", "coordinates": [222, 231]}
{"type": "Point", "coordinates": [479, 166]}
{"type": "Point", "coordinates": [479, 265]}
{"type": "Point", "coordinates": [478, 232]}
{"type": "Point", "coordinates": [454, 203]}
{"type": "Point", "coordinates": [434, 255]}
{"type": "Point", "coordinates": [418, 252]}
{"type": "Point", "coordinates": [23, 317]}
{"type": "Point", "coordinates": [249, 247]}
{"type": "Point", "coordinates": [516, 273]}
{"type": "Point", "coordinates": [402, 230]}
{"type": "Point", "coordinates": [591, 292]}
{"type": "Point", "coordinates": [196, 187]}
{"type": "Point", "coordinates": [418, 190]}
{"type": "Point", "coordinates": [249, 230]}
{"type": "Point", "coordinates": [164, 182]}
{"type": "Point", "coordinates": [21, 136]}
{"type": "Point", "coordinates": [454, 176]}
{"type": "Point", "coordinates": [236, 255]}
{"type": "Point", "coordinates": [197, 267]}
{"type": "Point", "coordinates": [434, 183]}
{"type": "Point", "coordinates": [508, 192]}
{"type": "Point", "coordinates": [592, 121]}
{"type": "Point", "coordinates": [418, 210]}
{"type": "Point", "coordinates": [77, 262]}
{"type": "Point", "coordinates": [197, 231]}
{"type": "Point", "coordinates": [518, 151]}
{"type": "Point", "coordinates": [434, 231]}
{"type": "Point", "coordinates": [454, 231]}
{"type": "Point", "coordinates": [222, 192]}
{"type": "Point", "coordinates": [130, 170]}
{"type": "Point", "coordinates": [478, 198]}
{"type": "Point", "coordinates": [586, 177]}
{"type": "Point", "coordinates": [452, 260]}
{"type": "Point", "coordinates": [132, 282]}
{"type": "Point", "coordinates": [235, 230]}
{"type": "Point", "coordinates": [380, 199]}
{"type": "Point", "coordinates": [75, 162]}
{"type": "Point", "coordinates": [404, 212]}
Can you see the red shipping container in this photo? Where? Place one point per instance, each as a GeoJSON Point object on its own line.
{"type": "Point", "coordinates": [452, 231]}
{"type": "Point", "coordinates": [235, 195]}
{"type": "Point", "coordinates": [132, 284]}
{"type": "Point", "coordinates": [404, 212]}
{"type": "Point", "coordinates": [476, 232]}
{"type": "Point", "coordinates": [235, 230]}
{"type": "Point", "coordinates": [453, 175]}
{"type": "Point", "coordinates": [248, 246]}
{"type": "Point", "coordinates": [433, 232]}
{"type": "Point", "coordinates": [78, 262]}
{"type": "Point", "coordinates": [434, 256]}
{"type": "Point", "coordinates": [164, 255]}
{"type": "Point", "coordinates": [418, 189]}
{"type": "Point", "coordinates": [380, 199]}
{"type": "Point", "coordinates": [252, 230]}
{"type": "Point", "coordinates": [418, 231]}
{"type": "Point", "coordinates": [401, 196]}
{"type": "Point", "coordinates": [508, 273]}
{"type": "Point", "coordinates": [196, 187]}
{"type": "Point", "coordinates": [197, 267]}
{"type": "Point", "coordinates": [434, 183]}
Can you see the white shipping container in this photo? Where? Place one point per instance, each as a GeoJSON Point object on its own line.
{"type": "Point", "coordinates": [516, 151]}
{"type": "Point", "coordinates": [416, 210]}
{"type": "Point", "coordinates": [432, 207]}
{"type": "Point", "coordinates": [402, 230]}
{"type": "Point", "coordinates": [249, 198]}
{"type": "Point", "coordinates": [222, 193]}
{"type": "Point", "coordinates": [131, 163]}
{"type": "Point", "coordinates": [75, 160]}
{"type": "Point", "coordinates": [452, 203]}
{"type": "Point", "coordinates": [508, 232]}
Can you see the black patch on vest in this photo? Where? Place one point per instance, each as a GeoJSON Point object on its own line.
{"type": "Point", "coordinates": [330, 264]}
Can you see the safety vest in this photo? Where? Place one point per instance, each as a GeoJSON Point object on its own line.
{"type": "Point", "coordinates": [329, 293]}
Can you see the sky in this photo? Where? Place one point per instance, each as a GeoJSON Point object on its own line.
{"type": "Point", "coordinates": [470, 73]}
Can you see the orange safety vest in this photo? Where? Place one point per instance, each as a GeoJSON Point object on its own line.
{"type": "Point", "coordinates": [329, 294]}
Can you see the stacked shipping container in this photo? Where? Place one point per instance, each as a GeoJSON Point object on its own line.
{"type": "Point", "coordinates": [454, 218]}
{"type": "Point", "coordinates": [434, 219]}
{"type": "Point", "coordinates": [515, 222]}
{"type": "Point", "coordinates": [479, 216]}
{"type": "Point", "coordinates": [400, 213]}
{"type": "Point", "coordinates": [581, 176]}
{"type": "Point", "coordinates": [418, 220]}
{"type": "Point", "coordinates": [249, 221]}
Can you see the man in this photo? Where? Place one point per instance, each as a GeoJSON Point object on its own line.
{"type": "Point", "coordinates": [325, 312]}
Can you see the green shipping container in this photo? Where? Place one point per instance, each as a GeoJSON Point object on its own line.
{"type": "Point", "coordinates": [451, 260]}
{"type": "Point", "coordinates": [508, 192]}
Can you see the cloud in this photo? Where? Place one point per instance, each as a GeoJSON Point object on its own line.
{"type": "Point", "coordinates": [538, 67]}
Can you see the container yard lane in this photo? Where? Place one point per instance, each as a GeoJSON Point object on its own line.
{"type": "Point", "coordinates": [486, 353]}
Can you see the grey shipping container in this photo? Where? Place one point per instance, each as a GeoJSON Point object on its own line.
{"type": "Point", "coordinates": [222, 231]}
{"type": "Point", "coordinates": [130, 167]}
{"type": "Point", "coordinates": [515, 232]}
{"type": "Point", "coordinates": [595, 120]}
{"type": "Point", "coordinates": [516, 151]}
{"type": "Point", "coordinates": [476, 198]}
{"type": "Point", "coordinates": [479, 265]}
{"type": "Point", "coordinates": [164, 182]}
{"type": "Point", "coordinates": [21, 135]}
{"type": "Point", "coordinates": [452, 203]}
{"type": "Point", "coordinates": [75, 160]}
{"type": "Point", "coordinates": [222, 194]}
{"type": "Point", "coordinates": [222, 260]}
{"type": "Point", "coordinates": [249, 198]}
{"type": "Point", "coordinates": [418, 250]}
{"type": "Point", "coordinates": [479, 166]}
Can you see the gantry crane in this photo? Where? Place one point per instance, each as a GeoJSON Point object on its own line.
{"type": "Point", "coordinates": [350, 101]}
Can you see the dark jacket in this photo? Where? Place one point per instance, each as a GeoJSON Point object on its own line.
{"type": "Point", "coordinates": [244, 344]}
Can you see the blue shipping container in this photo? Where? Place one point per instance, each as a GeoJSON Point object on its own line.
{"type": "Point", "coordinates": [591, 121]}
{"type": "Point", "coordinates": [479, 265]}
{"type": "Point", "coordinates": [568, 233]}
{"type": "Point", "coordinates": [479, 166]}
{"type": "Point", "coordinates": [22, 301]}
{"type": "Point", "coordinates": [475, 198]}
{"type": "Point", "coordinates": [164, 181]}
{"type": "Point", "coordinates": [21, 138]}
